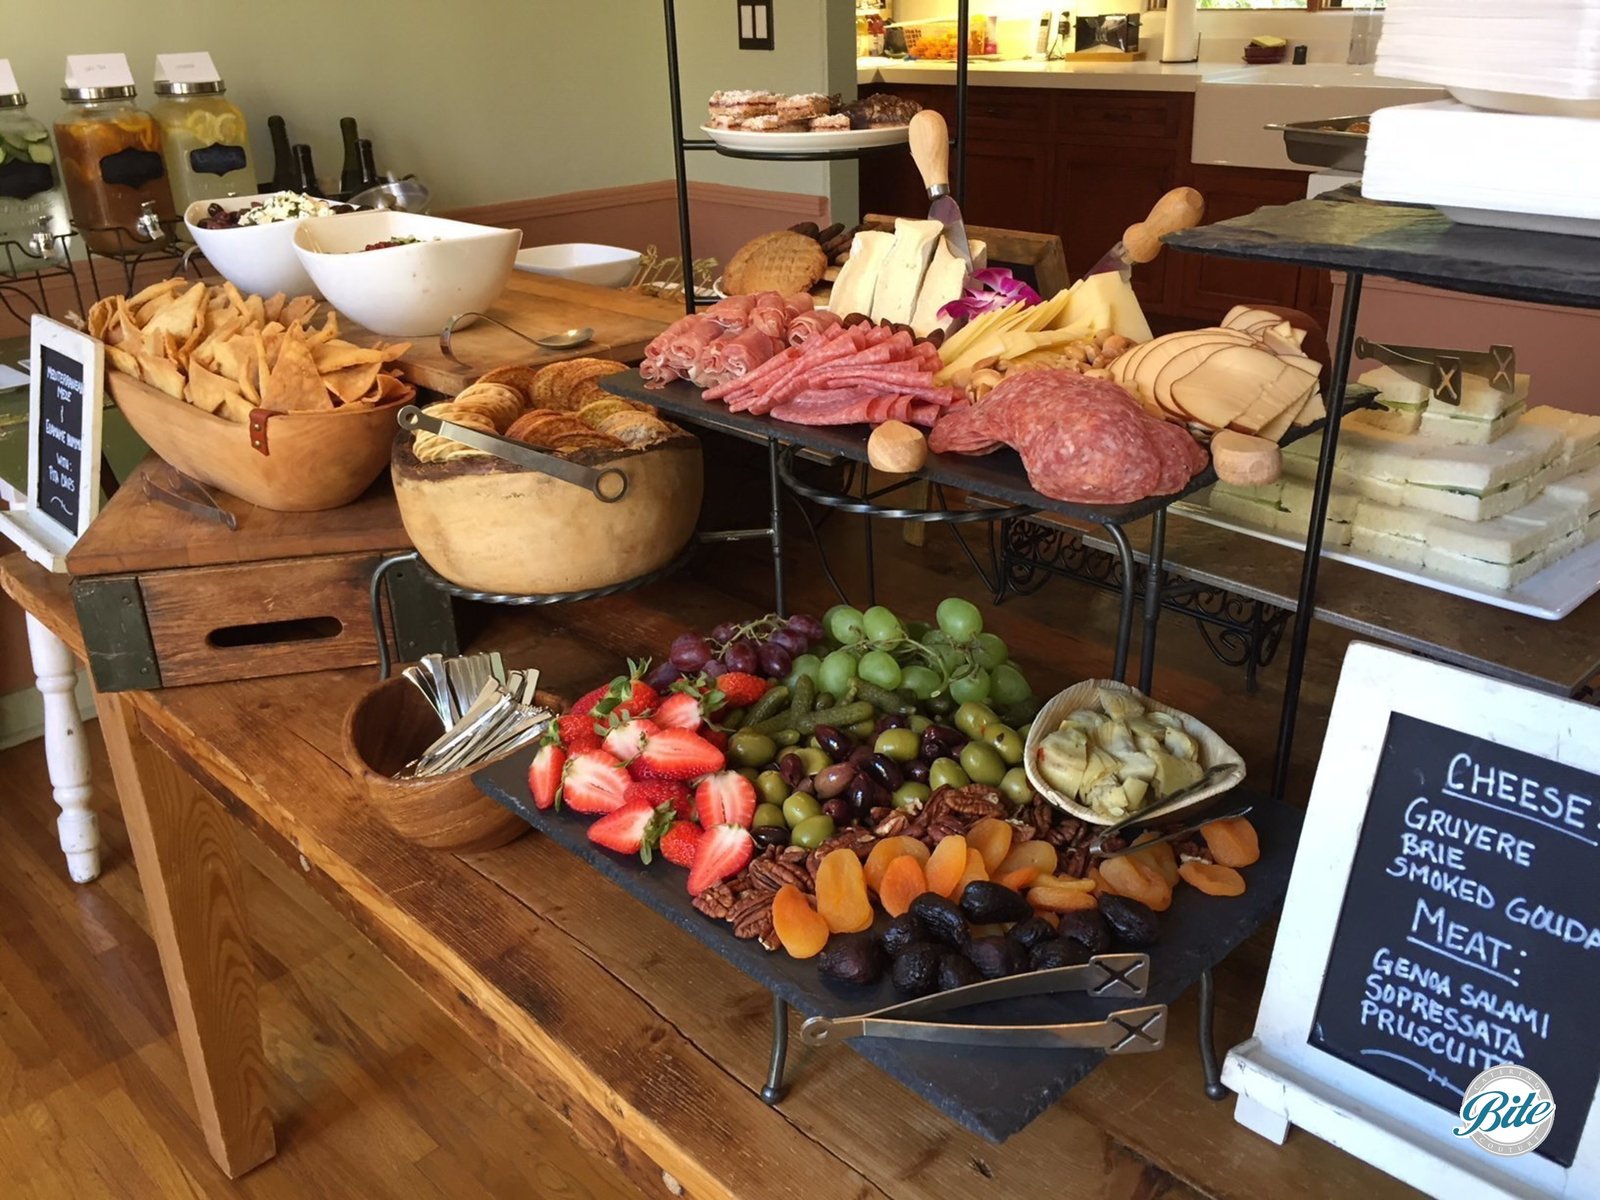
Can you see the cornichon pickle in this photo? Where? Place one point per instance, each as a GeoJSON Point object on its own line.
{"type": "Point", "coordinates": [772, 702]}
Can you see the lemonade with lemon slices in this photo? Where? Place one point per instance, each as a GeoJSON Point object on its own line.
{"type": "Point", "coordinates": [205, 142]}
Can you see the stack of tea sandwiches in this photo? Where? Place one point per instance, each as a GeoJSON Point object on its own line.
{"type": "Point", "coordinates": [1486, 492]}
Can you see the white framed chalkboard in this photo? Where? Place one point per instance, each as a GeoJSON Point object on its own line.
{"type": "Point", "coordinates": [64, 415]}
{"type": "Point", "coordinates": [1443, 918]}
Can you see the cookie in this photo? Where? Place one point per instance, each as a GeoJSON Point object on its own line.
{"type": "Point", "coordinates": [772, 124]}
{"type": "Point", "coordinates": [782, 262]}
{"type": "Point", "coordinates": [831, 121]}
{"type": "Point", "coordinates": [804, 107]}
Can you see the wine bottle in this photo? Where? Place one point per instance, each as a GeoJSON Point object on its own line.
{"type": "Point", "coordinates": [282, 162]}
{"type": "Point", "coordinates": [350, 173]}
{"type": "Point", "coordinates": [305, 173]}
{"type": "Point", "coordinates": [369, 169]}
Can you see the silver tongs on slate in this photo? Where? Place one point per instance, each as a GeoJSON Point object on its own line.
{"type": "Point", "coordinates": [1126, 1031]}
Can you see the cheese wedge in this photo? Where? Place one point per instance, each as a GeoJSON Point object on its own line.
{"type": "Point", "coordinates": [894, 298]}
{"type": "Point", "coordinates": [1111, 295]}
{"type": "Point", "coordinates": [858, 278]}
{"type": "Point", "coordinates": [945, 280]}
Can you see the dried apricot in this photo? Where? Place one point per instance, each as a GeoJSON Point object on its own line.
{"type": "Point", "coordinates": [1019, 879]}
{"type": "Point", "coordinates": [1232, 841]}
{"type": "Point", "coordinates": [974, 870]}
{"type": "Point", "coordinates": [1130, 877]}
{"type": "Point", "coordinates": [885, 852]}
{"type": "Point", "coordinates": [1041, 856]}
{"type": "Point", "coordinates": [991, 837]}
{"type": "Point", "coordinates": [1159, 856]}
{"type": "Point", "coordinates": [1213, 879]}
{"type": "Point", "coordinates": [842, 893]}
{"type": "Point", "coordinates": [1101, 887]}
{"type": "Point", "coordinates": [799, 927]}
{"type": "Point", "coordinates": [903, 881]}
{"type": "Point", "coordinates": [1060, 900]}
{"type": "Point", "coordinates": [947, 864]}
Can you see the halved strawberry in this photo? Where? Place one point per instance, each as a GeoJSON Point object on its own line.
{"type": "Point", "coordinates": [680, 842]}
{"type": "Point", "coordinates": [627, 694]}
{"type": "Point", "coordinates": [681, 710]}
{"type": "Point", "coordinates": [657, 792]}
{"type": "Point", "coordinates": [724, 851]}
{"type": "Point", "coordinates": [577, 732]}
{"type": "Point", "coordinates": [628, 830]}
{"type": "Point", "coordinates": [740, 690]}
{"type": "Point", "coordinates": [627, 738]}
{"type": "Point", "coordinates": [676, 754]}
{"type": "Point", "coordinates": [726, 798]}
{"type": "Point", "coordinates": [595, 782]}
{"type": "Point", "coordinates": [544, 775]}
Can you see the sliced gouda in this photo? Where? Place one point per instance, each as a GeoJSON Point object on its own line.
{"type": "Point", "coordinates": [1233, 381]}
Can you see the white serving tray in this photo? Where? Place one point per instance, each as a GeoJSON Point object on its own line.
{"type": "Point", "coordinates": [1551, 594]}
{"type": "Point", "coordinates": [819, 141]}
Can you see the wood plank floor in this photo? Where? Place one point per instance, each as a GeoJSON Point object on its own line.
{"type": "Point", "coordinates": [377, 1093]}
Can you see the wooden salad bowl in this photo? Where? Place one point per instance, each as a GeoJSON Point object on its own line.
{"type": "Point", "coordinates": [387, 728]}
{"type": "Point", "coordinates": [307, 462]}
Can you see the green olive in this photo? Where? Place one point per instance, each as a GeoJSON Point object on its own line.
{"type": "Point", "coordinates": [1024, 730]}
{"type": "Point", "coordinates": [749, 773]}
{"type": "Point", "coordinates": [946, 772]}
{"type": "Point", "coordinates": [861, 729]}
{"type": "Point", "coordinates": [814, 759]}
{"type": "Point", "coordinates": [812, 832]}
{"type": "Point", "coordinates": [770, 786]}
{"type": "Point", "coordinates": [972, 718]}
{"type": "Point", "coordinates": [899, 744]}
{"type": "Point", "coordinates": [748, 748]}
{"type": "Point", "coordinates": [799, 808]}
{"type": "Point", "coordinates": [770, 815]}
{"type": "Point", "coordinates": [1007, 743]}
{"type": "Point", "coordinates": [909, 794]}
{"type": "Point", "coordinates": [982, 763]}
{"type": "Point", "coordinates": [1015, 786]}
{"type": "Point", "coordinates": [919, 723]}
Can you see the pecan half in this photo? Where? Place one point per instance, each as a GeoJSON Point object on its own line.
{"type": "Point", "coordinates": [1072, 862]}
{"type": "Point", "coordinates": [715, 902]}
{"type": "Point", "coordinates": [892, 825]}
{"type": "Point", "coordinates": [752, 916]}
{"type": "Point", "coordinates": [770, 874]}
{"type": "Point", "coordinates": [974, 802]}
{"type": "Point", "coordinates": [1021, 830]}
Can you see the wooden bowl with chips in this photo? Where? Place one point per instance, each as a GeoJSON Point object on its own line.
{"type": "Point", "coordinates": [305, 461]}
{"type": "Point", "coordinates": [387, 728]}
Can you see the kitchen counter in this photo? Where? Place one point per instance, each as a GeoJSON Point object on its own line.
{"type": "Point", "coordinates": [1148, 76]}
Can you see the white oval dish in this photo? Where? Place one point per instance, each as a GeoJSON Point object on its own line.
{"type": "Point", "coordinates": [254, 258]}
{"type": "Point", "coordinates": [583, 262]}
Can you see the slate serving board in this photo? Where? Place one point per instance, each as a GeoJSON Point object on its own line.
{"type": "Point", "coordinates": [994, 1093]}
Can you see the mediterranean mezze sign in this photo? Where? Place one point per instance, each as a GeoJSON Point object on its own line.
{"type": "Point", "coordinates": [1470, 935]}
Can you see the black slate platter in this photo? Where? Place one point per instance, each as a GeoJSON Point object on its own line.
{"type": "Point", "coordinates": [994, 1093]}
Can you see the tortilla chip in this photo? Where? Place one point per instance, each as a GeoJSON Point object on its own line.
{"type": "Point", "coordinates": [163, 374]}
{"type": "Point", "coordinates": [298, 309]}
{"type": "Point", "coordinates": [209, 390]}
{"type": "Point", "coordinates": [236, 408]}
{"type": "Point", "coordinates": [272, 307]}
{"type": "Point", "coordinates": [327, 333]}
{"type": "Point", "coordinates": [392, 389]}
{"type": "Point", "coordinates": [349, 384]}
{"type": "Point", "coordinates": [295, 385]}
{"type": "Point", "coordinates": [101, 314]}
{"type": "Point", "coordinates": [248, 380]}
{"type": "Point", "coordinates": [121, 360]}
{"type": "Point", "coordinates": [165, 289]}
{"type": "Point", "coordinates": [180, 317]}
{"type": "Point", "coordinates": [395, 351]}
{"type": "Point", "coordinates": [263, 364]}
{"type": "Point", "coordinates": [336, 356]}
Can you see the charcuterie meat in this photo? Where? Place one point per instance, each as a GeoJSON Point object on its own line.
{"type": "Point", "coordinates": [1081, 440]}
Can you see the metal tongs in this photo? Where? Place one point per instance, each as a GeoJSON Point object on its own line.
{"type": "Point", "coordinates": [1441, 370]}
{"type": "Point", "coordinates": [1126, 1031]}
{"type": "Point", "coordinates": [608, 485]}
{"type": "Point", "coordinates": [171, 486]}
{"type": "Point", "coordinates": [1152, 819]}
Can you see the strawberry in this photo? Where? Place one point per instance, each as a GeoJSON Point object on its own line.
{"type": "Point", "coordinates": [594, 782]}
{"type": "Point", "coordinates": [717, 737]}
{"type": "Point", "coordinates": [740, 690]}
{"type": "Point", "coordinates": [627, 694]}
{"type": "Point", "coordinates": [676, 754]}
{"type": "Point", "coordinates": [679, 843]}
{"type": "Point", "coordinates": [628, 830]}
{"type": "Point", "coordinates": [726, 798]}
{"type": "Point", "coordinates": [681, 710]}
{"type": "Point", "coordinates": [544, 776]}
{"type": "Point", "coordinates": [627, 737]}
{"type": "Point", "coordinates": [577, 732]}
{"type": "Point", "coordinates": [723, 851]}
{"type": "Point", "coordinates": [657, 792]}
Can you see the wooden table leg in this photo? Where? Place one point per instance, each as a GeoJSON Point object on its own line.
{"type": "Point", "coordinates": [183, 847]}
{"type": "Point", "coordinates": [56, 675]}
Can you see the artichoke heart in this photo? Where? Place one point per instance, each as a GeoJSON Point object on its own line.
{"type": "Point", "coordinates": [1180, 744]}
{"type": "Point", "coordinates": [1137, 765]}
{"type": "Point", "coordinates": [1119, 705]}
{"type": "Point", "coordinates": [1062, 757]}
{"type": "Point", "coordinates": [1086, 719]}
{"type": "Point", "coordinates": [1114, 738]}
{"type": "Point", "coordinates": [1174, 774]}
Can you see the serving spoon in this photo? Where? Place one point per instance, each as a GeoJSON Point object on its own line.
{"type": "Point", "coordinates": [564, 340]}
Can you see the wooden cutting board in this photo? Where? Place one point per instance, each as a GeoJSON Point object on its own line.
{"type": "Point", "coordinates": [624, 323]}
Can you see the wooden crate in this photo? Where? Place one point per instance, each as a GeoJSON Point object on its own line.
{"type": "Point", "coordinates": [167, 598]}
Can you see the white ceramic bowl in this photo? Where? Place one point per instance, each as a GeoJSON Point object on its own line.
{"type": "Point", "coordinates": [585, 262]}
{"type": "Point", "coordinates": [406, 291]}
{"type": "Point", "coordinates": [254, 258]}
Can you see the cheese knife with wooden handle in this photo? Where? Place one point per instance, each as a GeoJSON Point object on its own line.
{"type": "Point", "coordinates": [930, 150]}
{"type": "Point", "coordinates": [1181, 208]}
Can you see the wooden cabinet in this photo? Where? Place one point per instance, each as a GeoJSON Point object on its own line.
{"type": "Point", "coordinates": [1084, 165]}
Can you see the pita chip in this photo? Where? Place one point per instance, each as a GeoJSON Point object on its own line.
{"type": "Point", "coordinates": [163, 290]}
{"type": "Point", "coordinates": [272, 308]}
{"type": "Point", "coordinates": [295, 384]}
{"type": "Point", "coordinates": [351, 383]}
{"type": "Point", "coordinates": [163, 374]}
{"type": "Point", "coordinates": [336, 356]}
{"type": "Point", "coordinates": [209, 390]}
{"type": "Point", "coordinates": [298, 309]}
{"type": "Point", "coordinates": [180, 317]}
{"type": "Point", "coordinates": [101, 314]}
{"type": "Point", "coordinates": [121, 360]}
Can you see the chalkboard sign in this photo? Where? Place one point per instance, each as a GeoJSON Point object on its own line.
{"type": "Point", "coordinates": [1470, 933]}
{"type": "Point", "coordinates": [1443, 920]}
{"type": "Point", "coordinates": [64, 399]}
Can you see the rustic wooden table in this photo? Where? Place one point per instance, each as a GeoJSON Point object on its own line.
{"type": "Point", "coordinates": [647, 1043]}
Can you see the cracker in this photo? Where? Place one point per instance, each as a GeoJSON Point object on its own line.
{"type": "Point", "coordinates": [782, 261]}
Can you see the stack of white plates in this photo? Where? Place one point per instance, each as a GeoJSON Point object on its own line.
{"type": "Point", "coordinates": [1529, 56]}
{"type": "Point", "coordinates": [1515, 170]}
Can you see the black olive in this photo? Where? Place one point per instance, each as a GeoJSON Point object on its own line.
{"type": "Point", "coordinates": [770, 835]}
{"type": "Point", "coordinates": [884, 770]}
{"type": "Point", "coordinates": [835, 742]}
{"type": "Point", "coordinates": [916, 771]}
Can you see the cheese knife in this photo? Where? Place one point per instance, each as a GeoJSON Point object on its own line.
{"type": "Point", "coordinates": [1181, 208]}
{"type": "Point", "coordinates": [930, 150]}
